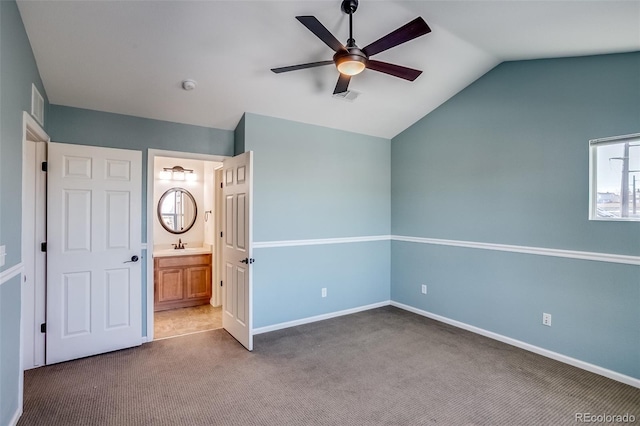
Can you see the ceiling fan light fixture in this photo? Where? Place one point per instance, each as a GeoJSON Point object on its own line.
{"type": "Point", "coordinates": [350, 66]}
{"type": "Point", "coordinates": [351, 63]}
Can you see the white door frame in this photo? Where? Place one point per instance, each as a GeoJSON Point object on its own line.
{"type": "Point", "coordinates": [151, 211]}
{"type": "Point", "coordinates": [218, 216]}
{"type": "Point", "coordinates": [32, 132]}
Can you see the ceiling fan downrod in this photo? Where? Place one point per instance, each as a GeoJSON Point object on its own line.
{"type": "Point", "coordinates": [349, 7]}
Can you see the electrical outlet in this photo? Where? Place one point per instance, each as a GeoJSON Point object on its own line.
{"type": "Point", "coordinates": [424, 289]}
{"type": "Point", "coordinates": [546, 319]}
{"type": "Point", "coordinates": [324, 292]}
{"type": "Point", "coordinates": [3, 254]}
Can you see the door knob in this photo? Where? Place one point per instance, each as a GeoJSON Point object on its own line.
{"type": "Point", "coordinates": [134, 259]}
{"type": "Point", "coordinates": [245, 260]}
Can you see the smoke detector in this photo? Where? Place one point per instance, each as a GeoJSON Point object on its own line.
{"type": "Point", "coordinates": [188, 84]}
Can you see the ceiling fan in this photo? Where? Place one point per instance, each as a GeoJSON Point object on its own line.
{"type": "Point", "coordinates": [350, 59]}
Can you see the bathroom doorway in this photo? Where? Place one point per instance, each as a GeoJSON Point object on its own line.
{"type": "Point", "coordinates": [182, 321]}
{"type": "Point", "coordinates": [183, 252]}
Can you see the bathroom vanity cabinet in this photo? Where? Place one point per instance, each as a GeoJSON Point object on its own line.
{"type": "Point", "coordinates": [182, 281]}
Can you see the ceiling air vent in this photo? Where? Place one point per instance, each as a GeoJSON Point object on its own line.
{"type": "Point", "coordinates": [348, 95]}
{"type": "Point", "coordinates": [37, 105]}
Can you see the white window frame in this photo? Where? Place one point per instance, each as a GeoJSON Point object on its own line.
{"type": "Point", "coordinates": [593, 175]}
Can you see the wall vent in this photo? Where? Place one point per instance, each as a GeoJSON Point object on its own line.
{"type": "Point", "coordinates": [37, 105]}
{"type": "Point", "coordinates": [349, 95]}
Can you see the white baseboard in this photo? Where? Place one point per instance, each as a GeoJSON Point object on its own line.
{"type": "Point", "coordinates": [631, 381]}
{"type": "Point", "coordinates": [16, 417]}
{"type": "Point", "coordinates": [322, 317]}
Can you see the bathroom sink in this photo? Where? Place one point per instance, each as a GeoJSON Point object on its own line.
{"type": "Point", "coordinates": [181, 252]}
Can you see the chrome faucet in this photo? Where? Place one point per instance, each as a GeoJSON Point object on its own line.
{"type": "Point", "coordinates": [180, 245]}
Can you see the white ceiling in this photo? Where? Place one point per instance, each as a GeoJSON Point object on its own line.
{"type": "Point", "coordinates": [130, 57]}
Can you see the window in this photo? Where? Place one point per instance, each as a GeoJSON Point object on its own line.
{"type": "Point", "coordinates": [615, 178]}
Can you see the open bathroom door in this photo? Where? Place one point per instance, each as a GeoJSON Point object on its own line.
{"type": "Point", "coordinates": [237, 238]}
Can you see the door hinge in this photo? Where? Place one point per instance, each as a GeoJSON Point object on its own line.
{"type": "Point", "coordinates": [44, 166]}
{"type": "Point", "coordinates": [220, 234]}
{"type": "Point", "coordinates": [220, 184]}
{"type": "Point", "coordinates": [43, 246]}
{"type": "Point", "coordinates": [43, 327]}
{"type": "Point", "coordinates": [220, 283]}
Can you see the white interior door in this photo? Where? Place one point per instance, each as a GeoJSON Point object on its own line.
{"type": "Point", "coordinates": [93, 243]}
{"type": "Point", "coordinates": [236, 275]}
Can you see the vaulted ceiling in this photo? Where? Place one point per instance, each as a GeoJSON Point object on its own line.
{"type": "Point", "coordinates": [130, 57]}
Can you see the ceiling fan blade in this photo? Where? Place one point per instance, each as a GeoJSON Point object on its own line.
{"type": "Point", "coordinates": [301, 66]}
{"type": "Point", "coordinates": [321, 32]}
{"type": "Point", "coordinates": [394, 70]}
{"type": "Point", "coordinates": [416, 28]}
{"type": "Point", "coordinates": [343, 83]}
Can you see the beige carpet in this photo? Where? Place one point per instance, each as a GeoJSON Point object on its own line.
{"type": "Point", "coordinates": [380, 367]}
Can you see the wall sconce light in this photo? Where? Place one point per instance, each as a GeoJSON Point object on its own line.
{"type": "Point", "coordinates": [177, 173]}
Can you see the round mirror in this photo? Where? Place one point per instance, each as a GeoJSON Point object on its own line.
{"type": "Point", "coordinates": [177, 210]}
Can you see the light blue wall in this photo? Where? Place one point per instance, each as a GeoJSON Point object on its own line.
{"type": "Point", "coordinates": [313, 182]}
{"type": "Point", "coordinates": [18, 71]}
{"type": "Point", "coordinates": [316, 182]}
{"type": "Point", "coordinates": [95, 128]}
{"type": "Point", "coordinates": [595, 305]}
{"type": "Point", "coordinates": [287, 281]}
{"type": "Point", "coordinates": [506, 161]}
{"type": "Point", "coordinates": [9, 348]}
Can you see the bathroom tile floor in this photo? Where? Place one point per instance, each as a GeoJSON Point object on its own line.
{"type": "Point", "coordinates": [181, 321]}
